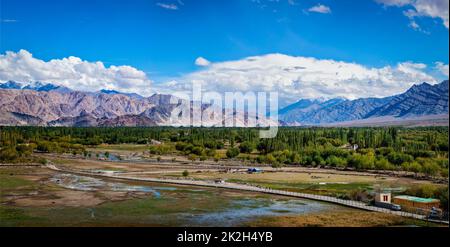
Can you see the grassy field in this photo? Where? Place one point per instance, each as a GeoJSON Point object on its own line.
{"type": "Point", "coordinates": [339, 219]}
{"type": "Point", "coordinates": [10, 180]}
{"type": "Point", "coordinates": [315, 183]}
{"type": "Point", "coordinates": [292, 177]}
{"type": "Point", "coordinates": [121, 147]}
{"type": "Point", "coordinates": [28, 199]}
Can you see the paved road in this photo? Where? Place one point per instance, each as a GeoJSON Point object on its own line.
{"type": "Point", "coordinates": [244, 187]}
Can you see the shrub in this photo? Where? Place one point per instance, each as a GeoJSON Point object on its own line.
{"type": "Point", "coordinates": [382, 164]}
{"type": "Point", "coordinates": [399, 158]}
{"type": "Point", "coordinates": [197, 151]}
{"type": "Point", "coordinates": [216, 158]}
{"type": "Point", "coordinates": [192, 157]}
{"type": "Point", "coordinates": [211, 152]}
{"type": "Point", "coordinates": [360, 162]}
{"type": "Point", "coordinates": [246, 147]}
{"type": "Point", "coordinates": [336, 161]}
{"type": "Point", "coordinates": [180, 146]}
{"type": "Point", "coordinates": [430, 169]}
{"type": "Point", "coordinates": [8, 154]}
{"type": "Point", "coordinates": [232, 152]}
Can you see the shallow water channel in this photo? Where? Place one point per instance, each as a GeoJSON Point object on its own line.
{"type": "Point", "coordinates": [189, 206]}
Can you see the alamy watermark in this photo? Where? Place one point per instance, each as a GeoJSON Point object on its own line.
{"type": "Point", "coordinates": [227, 109]}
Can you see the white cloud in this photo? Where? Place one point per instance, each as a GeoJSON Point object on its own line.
{"type": "Point", "coordinates": [72, 72]}
{"type": "Point", "coordinates": [8, 20]}
{"type": "Point", "coordinates": [320, 8]}
{"type": "Point", "coordinates": [167, 6]}
{"type": "Point", "coordinates": [293, 77]}
{"type": "Point", "coordinates": [413, 24]}
{"type": "Point", "coordinates": [306, 77]}
{"type": "Point", "coordinates": [442, 68]}
{"type": "Point", "coordinates": [200, 61]}
{"type": "Point", "coordinates": [398, 3]}
{"type": "Point", "coordinates": [422, 8]}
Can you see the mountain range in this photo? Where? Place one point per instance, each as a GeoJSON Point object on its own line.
{"type": "Point", "coordinates": [46, 104]}
{"type": "Point", "coordinates": [417, 102]}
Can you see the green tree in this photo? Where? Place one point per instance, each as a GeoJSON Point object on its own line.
{"type": "Point", "coordinates": [8, 155]}
{"type": "Point", "coordinates": [382, 164]}
{"type": "Point", "coordinates": [185, 173]}
{"type": "Point", "coordinates": [246, 147]}
{"type": "Point", "coordinates": [336, 161]}
{"type": "Point", "coordinates": [232, 152]}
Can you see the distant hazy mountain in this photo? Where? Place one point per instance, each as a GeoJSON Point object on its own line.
{"type": "Point", "coordinates": [419, 100]}
{"type": "Point", "coordinates": [305, 109]}
{"type": "Point", "coordinates": [11, 85]}
{"type": "Point", "coordinates": [132, 95]}
{"type": "Point", "coordinates": [36, 106]}
{"type": "Point", "coordinates": [36, 86]}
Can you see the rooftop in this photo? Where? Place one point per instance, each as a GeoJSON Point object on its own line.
{"type": "Point", "coordinates": [416, 199]}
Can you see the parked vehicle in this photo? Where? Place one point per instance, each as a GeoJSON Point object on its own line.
{"type": "Point", "coordinates": [435, 213]}
{"type": "Point", "coordinates": [390, 206]}
{"type": "Point", "coordinates": [254, 170]}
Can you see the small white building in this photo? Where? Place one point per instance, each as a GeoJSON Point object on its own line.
{"type": "Point", "coordinates": [155, 142]}
{"type": "Point", "coordinates": [383, 197]}
{"type": "Point", "coordinates": [349, 146]}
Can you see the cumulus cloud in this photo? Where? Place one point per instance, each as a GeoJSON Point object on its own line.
{"type": "Point", "coordinates": [72, 72]}
{"type": "Point", "coordinates": [442, 68]}
{"type": "Point", "coordinates": [200, 61]}
{"type": "Point", "coordinates": [306, 77]}
{"type": "Point", "coordinates": [167, 6]}
{"type": "Point", "coordinates": [421, 8]}
{"type": "Point", "coordinates": [292, 77]}
{"type": "Point", "coordinates": [320, 8]}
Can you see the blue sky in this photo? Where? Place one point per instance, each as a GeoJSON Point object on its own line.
{"type": "Point", "coordinates": [163, 38]}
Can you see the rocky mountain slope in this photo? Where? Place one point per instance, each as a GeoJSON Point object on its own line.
{"type": "Point", "coordinates": [49, 105]}
{"type": "Point", "coordinates": [419, 100]}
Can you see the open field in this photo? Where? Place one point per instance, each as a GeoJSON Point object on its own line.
{"type": "Point", "coordinates": [30, 197]}
{"type": "Point", "coordinates": [343, 218]}
{"type": "Point", "coordinates": [39, 197]}
{"type": "Point", "coordinates": [297, 179]}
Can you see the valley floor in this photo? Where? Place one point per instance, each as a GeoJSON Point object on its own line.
{"type": "Point", "coordinates": [37, 196]}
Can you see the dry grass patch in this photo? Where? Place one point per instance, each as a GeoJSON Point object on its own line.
{"type": "Point", "coordinates": [290, 177]}
{"type": "Point", "coordinates": [333, 219]}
